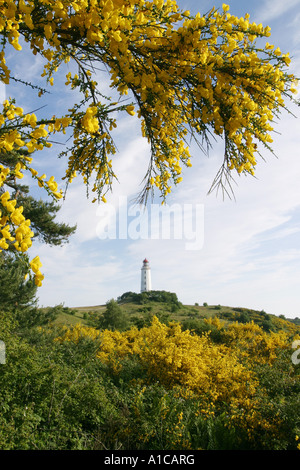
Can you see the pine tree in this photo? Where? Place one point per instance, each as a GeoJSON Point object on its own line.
{"type": "Point", "coordinates": [18, 294]}
{"type": "Point", "coordinates": [15, 291]}
{"type": "Point", "coordinates": [113, 317]}
{"type": "Point", "coordinates": [41, 213]}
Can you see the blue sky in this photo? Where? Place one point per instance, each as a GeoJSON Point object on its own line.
{"type": "Point", "coordinates": [249, 248]}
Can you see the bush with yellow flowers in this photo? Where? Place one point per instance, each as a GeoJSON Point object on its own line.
{"type": "Point", "coordinates": [184, 76]}
{"type": "Point", "coordinates": [190, 392]}
{"type": "Point", "coordinates": [160, 387]}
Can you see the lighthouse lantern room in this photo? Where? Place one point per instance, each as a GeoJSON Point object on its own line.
{"type": "Point", "coordinates": [145, 276]}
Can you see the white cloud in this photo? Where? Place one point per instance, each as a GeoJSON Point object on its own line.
{"type": "Point", "coordinates": [77, 276]}
{"type": "Point", "coordinates": [232, 268]}
{"type": "Point", "coordinates": [271, 9]}
{"type": "Point", "coordinates": [2, 92]}
{"type": "Point", "coordinates": [246, 259]}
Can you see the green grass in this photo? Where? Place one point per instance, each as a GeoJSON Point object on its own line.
{"type": "Point", "coordinates": [136, 312]}
{"type": "Point", "coordinates": [140, 308]}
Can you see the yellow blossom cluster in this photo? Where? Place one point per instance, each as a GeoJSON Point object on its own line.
{"type": "Point", "coordinates": [77, 332]}
{"type": "Point", "coordinates": [254, 343]}
{"type": "Point", "coordinates": [17, 131]}
{"type": "Point", "coordinates": [35, 265]}
{"type": "Point", "coordinates": [218, 375]}
{"type": "Point", "coordinates": [23, 234]}
{"type": "Point", "coordinates": [188, 74]}
{"type": "Point", "coordinates": [16, 232]}
{"type": "Point", "coordinates": [174, 357]}
{"type": "Point", "coordinates": [183, 75]}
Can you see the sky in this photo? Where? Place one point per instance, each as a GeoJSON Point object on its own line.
{"type": "Point", "coordinates": [241, 252]}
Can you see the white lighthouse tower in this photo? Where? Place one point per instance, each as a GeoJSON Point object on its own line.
{"type": "Point", "coordinates": [145, 276]}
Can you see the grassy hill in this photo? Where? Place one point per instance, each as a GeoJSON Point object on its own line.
{"type": "Point", "coordinates": [152, 387]}
{"type": "Point", "coordinates": [138, 309]}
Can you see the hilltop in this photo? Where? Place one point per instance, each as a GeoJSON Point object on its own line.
{"type": "Point", "coordinates": [139, 308]}
{"type": "Point", "coordinates": [146, 372]}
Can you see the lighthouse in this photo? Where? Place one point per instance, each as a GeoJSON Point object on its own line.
{"type": "Point", "coordinates": [145, 276]}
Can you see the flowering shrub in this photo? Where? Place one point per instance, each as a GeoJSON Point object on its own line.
{"type": "Point", "coordinates": [185, 75]}
{"type": "Point", "coordinates": [220, 381]}
{"type": "Point", "coordinates": [155, 388]}
{"type": "Point", "coordinates": [250, 341]}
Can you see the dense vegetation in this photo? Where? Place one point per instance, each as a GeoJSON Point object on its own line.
{"type": "Point", "coordinates": [145, 371]}
{"type": "Point", "coordinates": [186, 78]}
{"type": "Point", "coordinates": [139, 375]}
